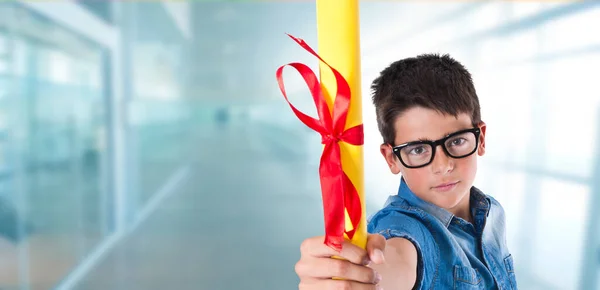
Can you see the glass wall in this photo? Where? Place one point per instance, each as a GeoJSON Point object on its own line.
{"type": "Point", "coordinates": [54, 181]}
{"type": "Point", "coordinates": [160, 113]}
{"type": "Point", "coordinates": [58, 198]}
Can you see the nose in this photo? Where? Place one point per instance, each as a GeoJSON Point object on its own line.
{"type": "Point", "coordinates": [442, 163]}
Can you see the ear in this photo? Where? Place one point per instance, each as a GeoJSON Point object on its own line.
{"type": "Point", "coordinates": [390, 158]}
{"type": "Point", "coordinates": [481, 149]}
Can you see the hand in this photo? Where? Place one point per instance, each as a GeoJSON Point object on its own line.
{"type": "Point", "coordinates": [317, 267]}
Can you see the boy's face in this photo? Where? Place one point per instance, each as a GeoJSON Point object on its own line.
{"type": "Point", "coordinates": [446, 181]}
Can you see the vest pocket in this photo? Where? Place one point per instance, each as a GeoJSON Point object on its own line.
{"type": "Point", "coordinates": [510, 269]}
{"type": "Point", "coordinates": [466, 278]}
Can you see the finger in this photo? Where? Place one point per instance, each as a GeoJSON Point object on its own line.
{"type": "Point", "coordinates": [327, 268]}
{"type": "Point", "coordinates": [376, 248]}
{"type": "Point", "coordinates": [336, 285]}
{"type": "Point", "coordinates": [314, 247]}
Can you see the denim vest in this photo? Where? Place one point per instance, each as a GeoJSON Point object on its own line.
{"type": "Point", "coordinates": [453, 253]}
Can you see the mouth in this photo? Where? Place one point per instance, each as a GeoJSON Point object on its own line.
{"type": "Point", "coordinates": [446, 186]}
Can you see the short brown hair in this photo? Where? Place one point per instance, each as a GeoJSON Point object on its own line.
{"type": "Point", "coordinates": [429, 80]}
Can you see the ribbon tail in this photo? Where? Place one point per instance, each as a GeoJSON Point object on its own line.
{"type": "Point", "coordinates": [332, 184]}
{"type": "Point", "coordinates": [352, 203]}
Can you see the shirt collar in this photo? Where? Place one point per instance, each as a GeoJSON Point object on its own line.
{"type": "Point", "coordinates": [480, 203]}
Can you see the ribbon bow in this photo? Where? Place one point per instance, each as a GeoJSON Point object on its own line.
{"type": "Point", "coordinates": [338, 192]}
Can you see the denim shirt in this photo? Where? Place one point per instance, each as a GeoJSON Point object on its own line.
{"type": "Point", "coordinates": [452, 253]}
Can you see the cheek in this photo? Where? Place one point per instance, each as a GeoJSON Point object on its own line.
{"type": "Point", "coordinates": [467, 167]}
{"type": "Point", "coordinates": [417, 177]}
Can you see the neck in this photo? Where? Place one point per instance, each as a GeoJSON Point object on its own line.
{"type": "Point", "coordinates": [463, 209]}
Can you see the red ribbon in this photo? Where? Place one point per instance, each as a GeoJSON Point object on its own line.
{"type": "Point", "coordinates": [337, 190]}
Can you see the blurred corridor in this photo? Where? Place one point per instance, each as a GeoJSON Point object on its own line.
{"type": "Point", "coordinates": [145, 145]}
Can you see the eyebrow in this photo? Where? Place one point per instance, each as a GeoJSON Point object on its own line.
{"type": "Point", "coordinates": [430, 140]}
{"type": "Point", "coordinates": [446, 135]}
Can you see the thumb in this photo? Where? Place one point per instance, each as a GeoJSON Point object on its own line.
{"type": "Point", "coordinates": [376, 248]}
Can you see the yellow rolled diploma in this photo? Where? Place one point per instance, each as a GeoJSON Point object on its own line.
{"type": "Point", "coordinates": [339, 45]}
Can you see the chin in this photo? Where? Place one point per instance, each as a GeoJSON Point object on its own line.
{"type": "Point", "coordinates": [450, 200]}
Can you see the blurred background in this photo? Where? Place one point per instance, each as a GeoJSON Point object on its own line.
{"type": "Point", "coordinates": [145, 145]}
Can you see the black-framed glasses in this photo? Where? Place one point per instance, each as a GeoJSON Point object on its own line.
{"type": "Point", "coordinates": [421, 153]}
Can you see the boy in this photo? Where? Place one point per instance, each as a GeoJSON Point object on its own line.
{"type": "Point", "coordinates": [439, 232]}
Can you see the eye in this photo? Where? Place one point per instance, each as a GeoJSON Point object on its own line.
{"type": "Point", "coordinates": [417, 150]}
{"type": "Point", "coordinates": [458, 141]}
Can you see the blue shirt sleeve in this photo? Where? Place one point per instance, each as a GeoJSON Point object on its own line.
{"type": "Point", "coordinates": [395, 224]}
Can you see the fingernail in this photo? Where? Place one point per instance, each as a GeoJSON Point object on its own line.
{"type": "Point", "coordinates": [378, 287]}
{"type": "Point", "coordinates": [366, 261]}
{"type": "Point", "coordinates": [379, 255]}
{"type": "Point", "coordinates": [377, 278]}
